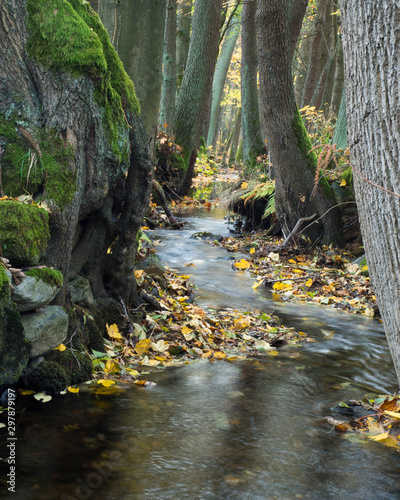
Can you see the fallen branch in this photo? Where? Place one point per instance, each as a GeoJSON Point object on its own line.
{"type": "Point", "coordinates": [163, 202]}
{"type": "Point", "coordinates": [296, 230]}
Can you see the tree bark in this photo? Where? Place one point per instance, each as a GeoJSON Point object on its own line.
{"type": "Point", "coordinates": [136, 29]}
{"type": "Point", "coordinates": [168, 90]}
{"type": "Point", "coordinates": [288, 143]}
{"type": "Point", "coordinates": [220, 74]}
{"type": "Point", "coordinates": [370, 39]}
{"type": "Point", "coordinates": [61, 109]}
{"type": "Point", "coordinates": [183, 38]}
{"type": "Point", "coordinates": [252, 142]}
{"type": "Point", "coordinates": [197, 81]}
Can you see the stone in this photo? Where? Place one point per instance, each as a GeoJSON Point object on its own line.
{"type": "Point", "coordinates": [33, 293]}
{"type": "Point", "coordinates": [81, 292]}
{"type": "Point", "coordinates": [45, 330]}
{"type": "Point", "coordinates": [151, 265]}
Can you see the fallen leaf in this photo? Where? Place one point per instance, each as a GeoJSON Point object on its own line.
{"type": "Point", "coordinates": [138, 273]}
{"type": "Point", "coordinates": [106, 383]}
{"type": "Point", "coordinates": [393, 414]}
{"type": "Point", "coordinates": [113, 332]}
{"type": "Point", "coordinates": [41, 396]}
{"type": "Point", "coordinates": [219, 355]}
{"type": "Point", "coordinates": [242, 264]}
{"type": "Point", "coordinates": [143, 346]}
{"type": "Point", "coordinates": [74, 390]}
{"type": "Point", "coordinates": [343, 183]}
{"type": "Point", "coordinates": [60, 348]}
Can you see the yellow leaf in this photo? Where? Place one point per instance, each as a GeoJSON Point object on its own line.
{"type": "Point", "coordinates": [26, 393]}
{"type": "Point", "coordinates": [292, 261]}
{"type": "Point", "coordinates": [113, 332]}
{"type": "Point", "coordinates": [132, 372]}
{"type": "Point", "coordinates": [143, 346]}
{"type": "Point", "coordinates": [369, 312]}
{"type": "Point", "coordinates": [74, 390]}
{"type": "Point", "coordinates": [219, 355]}
{"type": "Point", "coordinates": [379, 437]}
{"type": "Point", "coordinates": [60, 348]}
{"type": "Point", "coordinates": [282, 286]}
{"type": "Point", "coordinates": [309, 282]}
{"type": "Point", "coordinates": [252, 250]}
{"type": "Point", "coordinates": [140, 382]}
{"type": "Point", "coordinates": [394, 414]}
{"type": "Point", "coordinates": [256, 284]}
{"type": "Point", "coordinates": [106, 383]}
{"type": "Point", "coordinates": [138, 273]}
{"type": "Point", "coordinates": [242, 264]}
{"type": "Point", "coordinates": [144, 228]}
{"type": "Point", "coordinates": [153, 362]}
{"type": "Point", "coordinates": [343, 183]}
{"type": "Point", "coordinates": [110, 366]}
{"type": "Point", "coordinates": [244, 185]}
{"type": "Point", "coordinates": [242, 323]}
{"type": "Point", "coordinates": [185, 330]}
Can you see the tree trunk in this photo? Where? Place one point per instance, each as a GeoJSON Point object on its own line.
{"type": "Point", "coordinates": [136, 29]}
{"type": "Point", "coordinates": [221, 71]}
{"type": "Point", "coordinates": [252, 142]}
{"type": "Point", "coordinates": [235, 137]}
{"type": "Point", "coordinates": [315, 53]}
{"type": "Point", "coordinates": [288, 142]}
{"type": "Point", "coordinates": [168, 91]}
{"type": "Point", "coordinates": [75, 105]}
{"type": "Point", "coordinates": [338, 82]}
{"type": "Point", "coordinates": [197, 81]}
{"type": "Point", "coordinates": [340, 132]}
{"type": "Point", "coordinates": [297, 12]}
{"type": "Point", "coordinates": [183, 38]}
{"type": "Point", "coordinates": [370, 44]}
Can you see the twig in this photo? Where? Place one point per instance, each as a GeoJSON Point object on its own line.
{"type": "Point", "coordinates": [296, 229]}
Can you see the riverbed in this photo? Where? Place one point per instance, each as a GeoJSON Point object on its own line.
{"type": "Point", "coordinates": [250, 429]}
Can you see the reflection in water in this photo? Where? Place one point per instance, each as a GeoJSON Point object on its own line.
{"type": "Point", "coordinates": [252, 429]}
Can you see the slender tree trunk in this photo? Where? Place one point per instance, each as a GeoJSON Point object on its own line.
{"type": "Point", "coordinates": [372, 69]}
{"type": "Point", "coordinates": [252, 142]}
{"type": "Point", "coordinates": [297, 12]}
{"type": "Point", "coordinates": [315, 53]}
{"type": "Point", "coordinates": [183, 38]}
{"type": "Point", "coordinates": [136, 29]}
{"type": "Point", "coordinates": [235, 136]}
{"type": "Point", "coordinates": [340, 133]}
{"type": "Point", "coordinates": [338, 83]}
{"type": "Point", "coordinates": [288, 142]}
{"type": "Point", "coordinates": [221, 71]}
{"type": "Point", "coordinates": [168, 90]}
{"type": "Point", "coordinates": [197, 81]}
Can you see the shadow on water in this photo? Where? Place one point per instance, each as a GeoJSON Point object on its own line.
{"type": "Point", "coordinates": [253, 429]}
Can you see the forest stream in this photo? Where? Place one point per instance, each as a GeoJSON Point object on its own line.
{"type": "Point", "coordinates": [251, 429]}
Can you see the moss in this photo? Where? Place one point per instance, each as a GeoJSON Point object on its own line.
{"type": "Point", "coordinates": [239, 153]}
{"type": "Point", "coordinates": [48, 376]}
{"type": "Point", "coordinates": [50, 276]}
{"type": "Point", "coordinates": [69, 36]}
{"type": "Point", "coordinates": [305, 146]}
{"type": "Point", "coordinates": [24, 171]}
{"type": "Point", "coordinates": [24, 231]}
{"type": "Point", "coordinates": [348, 177]}
{"type": "Point", "coordinates": [4, 282]}
{"type": "Point", "coordinates": [77, 366]}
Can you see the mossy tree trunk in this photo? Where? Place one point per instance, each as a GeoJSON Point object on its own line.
{"type": "Point", "coordinates": [196, 84]}
{"type": "Point", "coordinates": [65, 95]}
{"type": "Point", "coordinates": [287, 138]}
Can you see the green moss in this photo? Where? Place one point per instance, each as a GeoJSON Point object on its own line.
{"type": "Point", "coordinates": [24, 231]}
{"type": "Point", "coordinates": [4, 282]}
{"type": "Point", "coordinates": [69, 36]}
{"type": "Point", "coordinates": [239, 153]}
{"type": "Point", "coordinates": [50, 276]}
{"type": "Point", "coordinates": [77, 366]}
{"type": "Point", "coordinates": [48, 376]}
{"type": "Point", "coordinates": [305, 146]}
{"type": "Point", "coordinates": [25, 171]}
{"type": "Point", "coordinates": [348, 177]}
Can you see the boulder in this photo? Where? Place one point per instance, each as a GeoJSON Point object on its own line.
{"type": "Point", "coordinates": [13, 348]}
{"type": "Point", "coordinates": [35, 291]}
{"type": "Point", "coordinates": [81, 292]}
{"type": "Point", "coordinates": [151, 265]}
{"type": "Point", "coordinates": [45, 330]}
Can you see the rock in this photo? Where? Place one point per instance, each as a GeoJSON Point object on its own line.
{"type": "Point", "coordinates": [207, 236]}
{"type": "Point", "coordinates": [81, 292]}
{"type": "Point", "coordinates": [13, 349]}
{"type": "Point", "coordinates": [33, 293]}
{"type": "Point", "coordinates": [45, 330]}
{"type": "Point", "coordinates": [151, 265]}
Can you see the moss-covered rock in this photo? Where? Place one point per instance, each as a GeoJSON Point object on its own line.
{"type": "Point", "coordinates": [24, 232]}
{"type": "Point", "coordinates": [50, 276]}
{"type": "Point", "coordinates": [78, 366]}
{"type": "Point", "coordinates": [13, 348]}
{"type": "Point", "coordinates": [48, 376]}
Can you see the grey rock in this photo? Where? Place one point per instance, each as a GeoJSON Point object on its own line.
{"type": "Point", "coordinates": [33, 293]}
{"type": "Point", "coordinates": [151, 265]}
{"type": "Point", "coordinates": [360, 260]}
{"type": "Point", "coordinates": [45, 330]}
{"type": "Point", "coordinates": [81, 291]}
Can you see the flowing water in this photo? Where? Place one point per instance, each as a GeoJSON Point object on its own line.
{"type": "Point", "coordinates": [252, 429]}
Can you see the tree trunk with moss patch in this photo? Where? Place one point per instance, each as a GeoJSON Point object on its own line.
{"type": "Point", "coordinates": [67, 104]}
{"type": "Point", "coordinates": [288, 142]}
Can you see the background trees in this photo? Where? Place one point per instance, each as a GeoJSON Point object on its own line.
{"type": "Point", "coordinates": [370, 38]}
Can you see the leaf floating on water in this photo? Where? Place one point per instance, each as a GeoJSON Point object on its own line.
{"type": "Point", "coordinates": [74, 390]}
{"type": "Point", "coordinates": [41, 396]}
{"type": "Point", "coordinates": [242, 264]}
{"type": "Point", "coordinates": [106, 383]}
